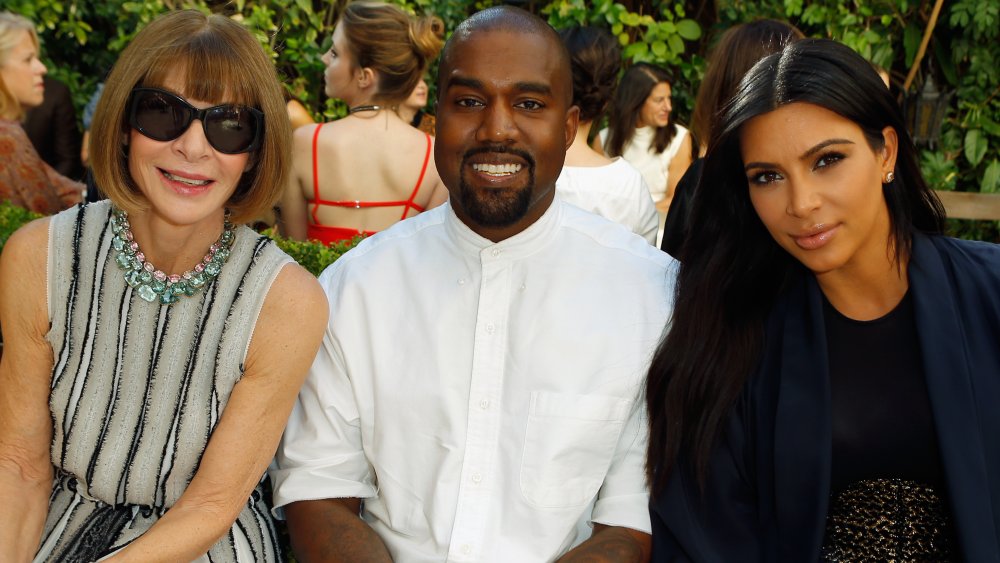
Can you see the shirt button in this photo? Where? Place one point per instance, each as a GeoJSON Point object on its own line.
{"type": "Point", "coordinates": [461, 281]}
{"type": "Point", "coordinates": [477, 478]}
{"type": "Point", "coordinates": [496, 252]}
{"type": "Point", "coordinates": [484, 404]}
{"type": "Point", "coordinates": [466, 549]}
{"type": "Point", "coordinates": [490, 328]}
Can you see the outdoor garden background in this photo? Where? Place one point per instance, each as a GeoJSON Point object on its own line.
{"type": "Point", "coordinates": [81, 40]}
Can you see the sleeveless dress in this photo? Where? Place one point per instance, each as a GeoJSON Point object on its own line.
{"type": "Point", "coordinates": [137, 389]}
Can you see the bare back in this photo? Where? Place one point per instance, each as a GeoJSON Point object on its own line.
{"type": "Point", "coordinates": [364, 158]}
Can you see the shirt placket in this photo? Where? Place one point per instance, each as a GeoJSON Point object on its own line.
{"type": "Point", "coordinates": [478, 468]}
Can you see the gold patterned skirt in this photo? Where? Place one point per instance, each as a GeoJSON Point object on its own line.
{"type": "Point", "coordinates": [889, 520]}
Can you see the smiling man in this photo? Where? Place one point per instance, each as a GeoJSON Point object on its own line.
{"type": "Point", "coordinates": [478, 393]}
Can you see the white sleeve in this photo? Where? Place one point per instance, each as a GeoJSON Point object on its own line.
{"type": "Point", "coordinates": [623, 500]}
{"type": "Point", "coordinates": [321, 452]}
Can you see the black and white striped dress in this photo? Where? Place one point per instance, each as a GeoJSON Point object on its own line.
{"type": "Point", "coordinates": [137, 389]}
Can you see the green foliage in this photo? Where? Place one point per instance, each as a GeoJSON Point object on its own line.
{"type": "Point", "coordinates": [82, 39]}
{"type": "Point", "coordinates": [313, 256]}
{"type": "Point", "coordinates": [11, 219]}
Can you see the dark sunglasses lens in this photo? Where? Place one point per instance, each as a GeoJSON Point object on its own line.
{"type": "Point", "coordinates": [231, 129]}
{"type": "Point", "coordinates": [160, 116]}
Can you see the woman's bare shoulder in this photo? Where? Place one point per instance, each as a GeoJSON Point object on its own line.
{"type": "Point", "coordinates": [291, 321]}
{"type": "Point", "coordinates": [296, 297]}
{"type": "Point", "coordinates": [27, 248]}
{"type": "Point", "coordinates": [23, 273]}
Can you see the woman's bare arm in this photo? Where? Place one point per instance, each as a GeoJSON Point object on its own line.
{"type": "Point", "coordinates": [25, 374]}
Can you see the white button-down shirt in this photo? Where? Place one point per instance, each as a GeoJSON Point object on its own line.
{"type": "Point", "coordinates": [484, 399]}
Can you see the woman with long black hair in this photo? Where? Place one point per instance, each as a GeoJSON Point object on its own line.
{"type": "Point", "coordinates": [827, 389]}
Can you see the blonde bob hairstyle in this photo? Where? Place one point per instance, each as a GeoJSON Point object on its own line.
{"type": "Point", "coordinates": [397, 46]}
{"type": "Point", "coordinates": [218, 61]}
{"type": "Point", "coordinates": [11, 26]}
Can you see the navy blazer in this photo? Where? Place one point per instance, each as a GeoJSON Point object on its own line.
{"type": "Point", "coordinates": [767, 489]}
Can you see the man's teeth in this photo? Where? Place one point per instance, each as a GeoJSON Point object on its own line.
{"type": "Point", "coordinates": [184, 180]}
{"type": "Point", "coordinates": [497, 169]}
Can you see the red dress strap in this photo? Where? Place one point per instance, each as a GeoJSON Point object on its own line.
{"type": "Point", "coordinates": [423, 170]}
{"type": "Point", "coordinates": [316, 200]}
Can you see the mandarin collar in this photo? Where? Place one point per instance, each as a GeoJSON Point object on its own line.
{"type": "Point", "coordinates": [530, 240]}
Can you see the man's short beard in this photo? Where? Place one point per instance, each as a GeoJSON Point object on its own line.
{"type": "Point", "coordinates": [500, 207]}
{"type": "Point", "coordinates": [497, 207]}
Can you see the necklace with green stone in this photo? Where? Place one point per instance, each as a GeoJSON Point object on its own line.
{"type": "Point", "coordinates": [152, 284]}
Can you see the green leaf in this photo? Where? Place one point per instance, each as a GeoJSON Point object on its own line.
{"type": "Point", "coordinates": [676, 44]}
{"type": "Point", "coordinates": [659, 48]}
{"type": "Point", "coordinates": [636, 50]}
{"type": "Point", "coordinates": [991, 179]}
{"type": "Point", "coordinates": [689, 29]}
{"type": "Point", "coordinates": [975, 146]}
{"type": "Point", "coordinates": [793, 7]}
{"type": "Point", "coordinates": [991, 127]}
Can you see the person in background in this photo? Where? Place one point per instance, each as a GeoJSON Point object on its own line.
{"type": "Point", "coordinates": [53, 129]}
{"type": "Point", "coordinates": [641, 129]}
{"type": "Point", "coordinates": [828, 387]}
{"type": "Point", "coordinates": [25, 179]}
{"type": "Point", "coordinates": [479, 383]}
{"type": "Point", "coordinates": [414, 109]}
{"type": "Point", "coordinates": [737, 50]}
{"type": "Point", "coordinates": [362, 173]}
{"type": "Point", "coordinates": [154, 344]}
{"type": "Point", "coordinates": [612, 188]}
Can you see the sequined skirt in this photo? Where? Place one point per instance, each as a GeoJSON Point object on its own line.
{"type": "Point", "coordinates": [889, 520]}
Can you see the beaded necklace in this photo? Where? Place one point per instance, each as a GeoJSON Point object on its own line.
{"type": "Point", "coordinates": [152, 284]}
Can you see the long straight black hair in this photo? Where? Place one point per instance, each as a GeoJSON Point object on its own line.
{"type": "Point", "coordinates": [732, 270]}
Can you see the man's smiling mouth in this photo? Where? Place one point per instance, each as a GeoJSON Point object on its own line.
{"type": "Point", "coordinates": [497, 169]}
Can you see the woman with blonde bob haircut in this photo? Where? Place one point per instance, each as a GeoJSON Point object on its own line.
{"type": "Point", "coordinates": [155, 345]}
{"type": "Point", "coordinates": [363, 173]}
{"type": "Point", "coordinates": [25, 179]}
{"type": "Point", "coordinates": [236, 67]}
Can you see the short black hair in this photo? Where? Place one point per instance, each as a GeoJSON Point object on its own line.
{"type": "Point", "coordinates": [513, 20]}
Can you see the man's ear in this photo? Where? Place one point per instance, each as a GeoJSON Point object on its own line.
{"type": "Point", "coordinates": [572, 123]}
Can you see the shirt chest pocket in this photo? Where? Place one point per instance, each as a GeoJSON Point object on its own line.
{"type": "Point", "coordinates": [569, 443]}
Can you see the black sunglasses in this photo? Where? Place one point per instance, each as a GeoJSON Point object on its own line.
{"type": "Point", "coordinates": [164, 116]}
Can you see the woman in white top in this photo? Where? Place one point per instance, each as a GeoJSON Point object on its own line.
{"type": "Point", "coordinates": [642, 131]}
{"type": "Point", "coordinates": [611, 188]}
